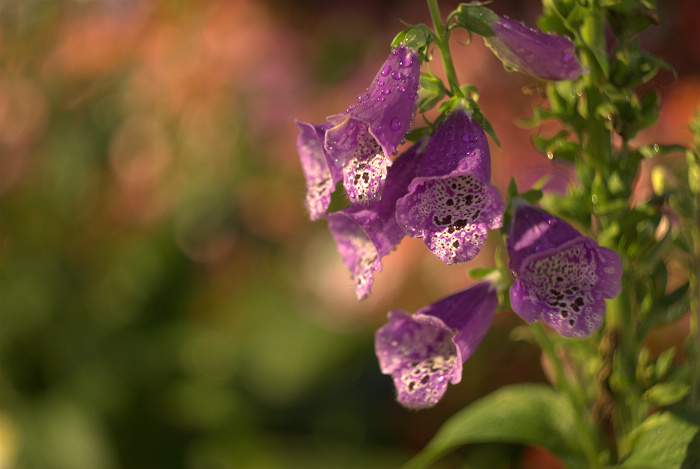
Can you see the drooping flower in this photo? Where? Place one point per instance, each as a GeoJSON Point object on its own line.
{"type": "Point", "coordinates": [321, 175]}
{"type": "Point", "coordinates": [425, 351]}
{"type": "Point", "coordinates": [541, 55]}
{"type": "Point", "coordinates": [365, 234]}
{"type": "Point", "coordinates": [452, 203]}
{"type": "Point", "coordinates": [363, 138]}
{"type": "Point", "coordinates": [562, 276]}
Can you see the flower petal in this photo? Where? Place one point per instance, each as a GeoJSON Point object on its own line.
{"type": "Point", "coordinates": [561, 274]}
{"type": "Point", "coordinates": [451, 203]}
{"type": "Point", "coordinates": [364, 137]}
{"type": "Point", "coordinates": [419, 354]}
{"type": "Point", "coordinates": [321, 177]}
{"type": "Point", "coordinates": [469, 312]}
{"type": "Point", "coordinates": [532, 230]}
{"type": "Point", "coordinates": [365, 234]}
{"type": "Point", "coordinates": [541, 55]}
{"type": "Point", "coordinates": [424, 351]}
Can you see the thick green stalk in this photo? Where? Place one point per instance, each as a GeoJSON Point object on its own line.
{"type": "Point", "coordinates": [619, 321]}
{"type": "Point", "coordinates": [694, 274]}
{"type": "Point", "coordinates": [576, 397]}
{"type": "Point", "coordinates": [443, 44]}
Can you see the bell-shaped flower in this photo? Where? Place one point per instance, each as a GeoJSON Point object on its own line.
{"type": "Point", "coordinates": [363, 138]}
{"type": "Point", "coordinates": [425, 351]}
{"type": "Point", "coordinates": [561, 276]}
{"type": "Point", "coordinates": [541, 55]}
{"type": "Point", "coordinates": [321, 175]}
{"type": "Point", "coordinates": [364, 234]}
{"type": "Point", "coordinates": [452, 203]}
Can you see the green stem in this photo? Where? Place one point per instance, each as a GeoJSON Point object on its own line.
{"type": "Point", "coordinates": [575, 395]}
{"type": "Point", "coordinates": [443, 44]}
{"type": "Point", "coordinates": [694, 279]}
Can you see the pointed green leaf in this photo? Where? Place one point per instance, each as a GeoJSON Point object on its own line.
{"type": "Point", "coordinates": [664, 441]}
{"type": "Point", "coordinates": [524, 414]}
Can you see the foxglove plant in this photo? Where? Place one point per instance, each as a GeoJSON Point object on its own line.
{"type": "Point", "coordinates": [451, 202]}
{"type": "Point", "coordinates": [425, 351]}
{"type": "Point", "coordinates": [321, 174]}
{"type": "Point", "coordinates": [560, 275]}
{"type": "Point", "coordinates": [365, 233]}
{"type": "Point", "coordinates": [364, 137]}
{"type": "Point", "coordinates": [535, 53]}
{"type": "Point", "coordinates": [599, 288]}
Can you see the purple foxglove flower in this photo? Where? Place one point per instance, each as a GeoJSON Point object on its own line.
{"type": "Point", "coordinates": [321, 175]}
{"type": "Point", "coordinates": [541, 55]}
{"type": "Point", "coordinates": [451, 203]}
{"type": "Point", "coordinates": [368, 133]}
{"type": "Point", "coordinates": [366, 233]}
{"type": "Point", "coordinates": [561, 275]}
{"type": "Point", "coordinates": [425, 351]}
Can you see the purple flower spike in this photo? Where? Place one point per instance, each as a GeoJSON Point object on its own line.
{"type": "Point", "coordinates": [425, 351]}
{"type": "Point", "coordinates": [368, 133]}
{"type": "Point", "coordinates": [561, 275]}
{"type": "Point", "coordinates": [541, 55]}
{"type": "Point", "coordinates": [321, 176]}
{"type": "Point", "coordinates": [366, 233]}
{"type": "Point", "coordinates": [451, 203]}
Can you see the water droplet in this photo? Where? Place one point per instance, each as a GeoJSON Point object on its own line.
{"type": "Point", "coordinates": [362, 97]}
{"type": "Point", "coordinates": [380, 82]}
{"type": "Point", "coordinates": [401, 89]}
{"type": "Point", "coordinates": [469, 138]}
{"type": "Point", "coordinates": [656, 147]}
{"type": "Point", "coordinates": [594, 199]}
{"type": "Point", "coordinates": [386, 70]}
{"type": "Point", "coordinates": [386, 91]}
{"type": "Point", "coordinates": [380, 98]}
{"type": "Point", "coordinates": [411, 95]}
{"type": "Point", "coordinates": [395, 124]}
{"type": "Point", "coordinates": [407, 62]}
{"type": "Point", "coordinates": [396, 75]}
{"type": "Point", "coordinates": [550, 155]}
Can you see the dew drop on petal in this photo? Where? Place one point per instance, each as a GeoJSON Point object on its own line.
{"type": "Point", "coordinates": [395, 123]}
{"type": "Point", "coordinates": [386, 70]}
{"type": "Point", "coordinates": [396, 75]}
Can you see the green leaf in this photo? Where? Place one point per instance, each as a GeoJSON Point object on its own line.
{"type": "Point", "coordinates": [476, 19]}
{"type": "Point", "coordinates": [416, 134]}
{"type": "Point", "coordinates": [665, 394]}
{"type": "Point", "coordinates": [523, 413]}
{"type": "Point", "coordinates": [664, 441]}
{"type": "Point", "coordinates": [483, 121]}
{"type": "Point", "coordinates": [480, 272]}
{"type": "Point", "coordinates": [418, 36]}
{"type": "Point", "coordinates": [431, 91]}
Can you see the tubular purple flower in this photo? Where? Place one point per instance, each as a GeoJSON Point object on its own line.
{"type": "Point", "coordinates": [561, 276]}
{"type": "Point", "coordinates": [369, 132]}
{"type": "Point", "coordinates": [364, 234]}
{"type": "Point", "coordinates": [452, 203]}
{"type": "Point", "coordinates": [321, 175]}
{"type": "Point", "coordinates": [541, 55]}
{"type": "Point", "coordinates": [425, 351]}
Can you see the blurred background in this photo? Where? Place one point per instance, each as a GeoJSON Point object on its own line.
{"type": "Point", "coordinates": [165, 301]}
